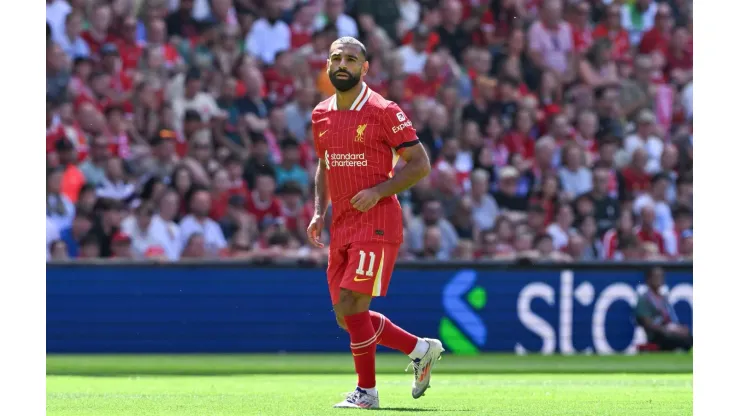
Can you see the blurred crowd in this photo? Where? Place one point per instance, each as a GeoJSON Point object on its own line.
{"type": "Point", "coordinates": [559, 130]}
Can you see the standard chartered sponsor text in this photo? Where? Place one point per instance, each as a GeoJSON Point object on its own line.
{"type": "Point", "coordinates": [348, 160]}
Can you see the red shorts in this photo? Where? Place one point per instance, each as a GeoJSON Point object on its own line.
{"type": "Point", "coordinates": [361, 267]}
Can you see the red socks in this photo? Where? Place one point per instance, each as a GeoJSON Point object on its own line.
{"type": "Point", "coordinates": [363, 341]}
{"type": "Point", "coordinates": [392, 336]}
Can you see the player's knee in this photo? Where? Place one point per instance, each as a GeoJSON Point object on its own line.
{"type": "Point", "coordinates": [351, 303]}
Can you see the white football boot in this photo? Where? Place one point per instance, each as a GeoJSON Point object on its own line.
{"type": "Point", "coordinates": [359, 399]}
{"type": "Point", "coordinates": [423, 367]}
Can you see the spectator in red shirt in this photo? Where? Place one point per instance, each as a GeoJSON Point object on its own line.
{"type": "Point", "coordinates": [658, 38]}
{"type": "Point", "coordinates": [297, 215]}
{"type": "Point", "coordinates": [128, 47]}
{"type": "Point", "coordinates": [301, 28]}
{"type": "Point", "coordinates": [99, 32]}
{"type": "Point", "coordinates": [279, 79]}
{"type": "Point", "coordinates": [679, 57]}
{"type": "Point", "coordinates": [262, 202]}
{"type": "Point", "coordinates": [519, 139]}
{"type": "Point", "coordinates": [646, 233]}
{"type": "Point", "coordinates": [156, 40]}
{"type": "Point", "coordinates": [634, 177]}
{"type": "Point", "coordinates": [581, 27]}
{"type": "Point", "coordinates": [430, 81]}
{"type": "Point", "coordinates": [617, 236]}
{"type": "Point", "coordinates": [611, 28]}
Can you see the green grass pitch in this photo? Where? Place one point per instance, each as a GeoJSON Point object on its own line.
{"type": "Point", "coordinates": [308, 385]}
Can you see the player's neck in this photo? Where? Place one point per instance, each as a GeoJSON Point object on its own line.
{"type": "Point", "coordinates": [347, 98]}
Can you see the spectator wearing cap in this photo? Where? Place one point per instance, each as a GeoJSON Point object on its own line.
{"type": "Point", "coordinates": [611, 28]}
{"type": "Point", "coordinates": [121, 247]}
{"type": "Point", "coordinates": [432, 215]}
{"type": "Point", "coordinates": [70, 40]}
{"type": "Point", "coordinates": [268, 35]}
{"type": "Point", "coordinates": [59, 208]}
{"type": "Point", "coordinates": [656, 315]}
{"type": "Point", "coordinates": [551, 42]}
{"type": "Point", "coordinates": [194, 98]}
{"type": "Point", "coordinates": [198, 223]}
{"type": "Point", "coordinates": [575, 178]}
{"type": "Point", "coordinates": [484, 207]}
{"type": "Point", "coordinates": [98, 34]}
{"type": "Point", "coordinates": [262, 202]}
{"type": "Point", "coordinates": [507, 195]}
{"type": "Point", "coordinates": [683, 225]}
{"type": "Point", "coordinates": [334, 15]}
{"type": "Point", "coordinates": [657, 197]}
{"type": "Point", "coordinates": [638, 17]}
{"type": "Point", "coordinates": [645, 138]}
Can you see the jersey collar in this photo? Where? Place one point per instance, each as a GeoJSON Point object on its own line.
{"type": "Point", "coordinates": [360, 101]}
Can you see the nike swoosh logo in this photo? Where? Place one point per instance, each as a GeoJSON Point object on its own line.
{"type": "Point", "coordinates": [361, 280]}
{"type": "Point", "coordinates": [357, 355]}
{"type": "Point", "coordinates": [323, 133]}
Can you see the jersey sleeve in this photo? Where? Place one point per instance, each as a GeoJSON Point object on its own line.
{"type": "Point", "coordinates": [398, 129]}
{"type": "Point", "coordinates": [315, 132]}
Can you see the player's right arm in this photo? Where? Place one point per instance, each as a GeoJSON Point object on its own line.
{"type": "Point", "coordinates": [321, 196]}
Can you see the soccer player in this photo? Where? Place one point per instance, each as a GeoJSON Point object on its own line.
{"type": "Point", "coordinates": [359, 136]}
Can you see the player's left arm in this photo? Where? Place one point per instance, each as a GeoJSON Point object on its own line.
{"type": "Point", "coordinates": [401, 136]}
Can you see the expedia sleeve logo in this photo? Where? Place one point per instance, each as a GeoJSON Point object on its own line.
{"type": "Point", "coordinates": [338, 160]}
{"type": "Point", "coordinates": [402, 126]}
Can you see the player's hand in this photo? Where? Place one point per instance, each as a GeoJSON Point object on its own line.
{"type": "Point", "coordinates": [365, 199]}
{"type": "Point", "coordinates": [314, 231]}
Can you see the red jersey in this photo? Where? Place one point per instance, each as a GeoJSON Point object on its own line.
{"type": "Point", "coordinates": [360, 148]}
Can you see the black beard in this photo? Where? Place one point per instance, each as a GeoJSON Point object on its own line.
{"type": "Point", "coordinates": [343, 85]}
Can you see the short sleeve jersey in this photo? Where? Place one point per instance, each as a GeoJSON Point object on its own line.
{"type": "Point", "coordinates": [360, 148]}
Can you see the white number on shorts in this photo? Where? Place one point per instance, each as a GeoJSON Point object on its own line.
{"type": "Point", "coordinates": [361, 266]}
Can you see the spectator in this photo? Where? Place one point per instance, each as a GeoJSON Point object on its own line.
{"type": "Point", "coordinates": [73, 236]}
{"type": "Point", "coordinates": [551, 42]}
{"type": "Point", "coordinates": [144, 231]}
{"type": "Point", "coordinates": [59, 251]}
{"type": "Point", "coordinates": [597, 68]}
{"type": "Point", "coordinates": [432, 215]}
{"type": "Point", "coordinates": [484, 207]}
{"type": "Point", "coordinates": [462, 219]}
{"type": "Point", "coordinates": [432, 246]}
{"type": "Point", "coordinates": [638, 17]}
{"type": "Point", "coordinates": [575, 178]}
{"type": "Point", "coordinates": [298, 111]}
{"type": "Point", "coordinates": [57, 73]}
{"type": "Point", "coordinates": [198, 224]}
{"type": "Point", "coordinates": [682, 230]}
{"type": "Point", "coordinates": [52, 235]}
{"type": "Point", "coordinates": [659, 36]}
{"type": "Point", "coordinates": [59, 208]}
{"type": "Point", "coordinates": [195, 99]}
{"type": "Point", "coordinates": [262, 202]}
{"type": "Point", "coordinates": [594, 248]}
{"type": "Point", "coordinates": [655, 314]}
{"type": "Point", "coordinates": [646, 232]}
{"type": "Point", "coordinates": [657, 197]}
{"type": "Point", "coordinates": [333, 15]}
{"type": "Point", "coordinates": [645, 138]}
{"type": "Point", "coordinates": [95, 164]}
{"type": "Point", "coordinates": [606, 207]}
{"type": "Point", "coordinates": [415, 54]}
{"type": "Point", "coordinates": [98, 33]}
{"type": "Point", "coordinates": [634, 178]}
{"type": "Point", "coordinates": [561, 229]}
{"type": "Point", "coordinates": [269, 35]}
{"type": "Point", "coordinates": [611, 29]}
{"type": "Point", "coordinates": [70, 40]}
{"type": "Point", "coordinates": [116, 185]}
{"type": "Point", "coordinates": [121, 247]}
{"type": "Point", "coordinates": [507, 196]}
{"type": "Point", "coordinates": [615, 238]}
